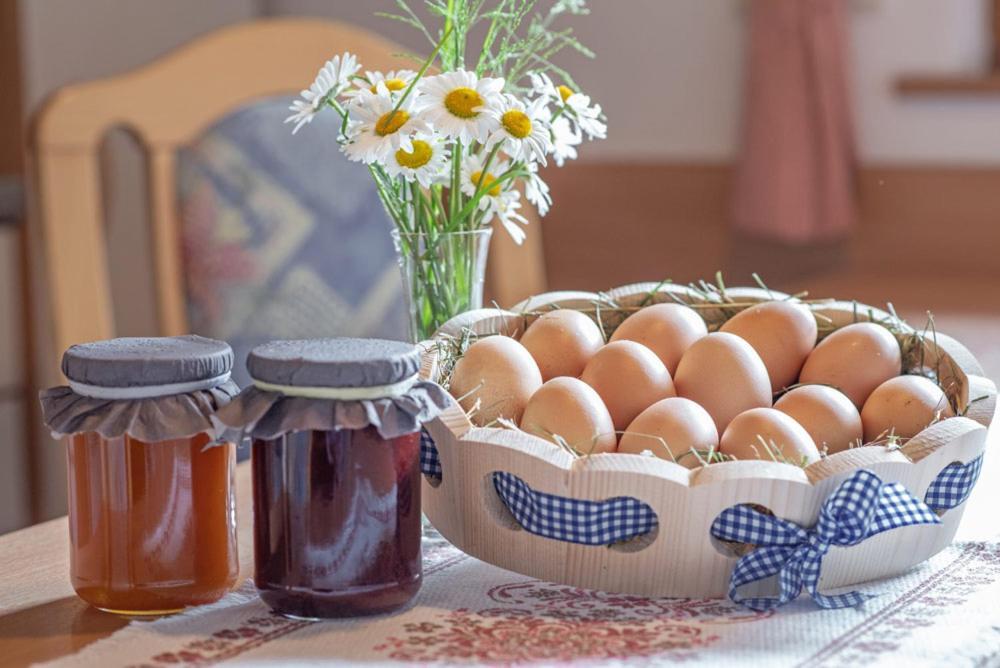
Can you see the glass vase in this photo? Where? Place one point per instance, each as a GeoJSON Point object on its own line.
{"type": "Point", "coordinates": [443, 275]}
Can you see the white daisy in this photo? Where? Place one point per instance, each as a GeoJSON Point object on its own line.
{"type": "Point", "coordinates": [496, 202]}
{"type": "Point", "coordinates": [332, 78]}
{"type": "Point", "coordinates": [457, 104]}
{"type": "Point", "coordinates": [587, 116]}
{"type": "Point", "coordinates": [378, 131]}
{"type": "Point", "coordinates": [474, 177]}
{"type": "Point", "coordinates": [304, 113]}
{"type": "Point", "coordinates": [576, 106]}
{"type": "Point", "coordinates": [536, 190]}
{"type": "Point", "coordinates": [505, 209]}
{"type": "Point", "coordinates": [565, 137]}
{"type": "Point", "coordinates": [395, 82]}
{"type": "Point", "coordinates": [541, 84]}
{"type": "Point", "coordinates": [426, 162]}
{"type": "Point", "coordinates": [578, 7]}
{"type": "Point", "coordinates": [522, 132]}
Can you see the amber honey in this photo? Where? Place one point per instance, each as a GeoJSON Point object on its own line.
{"type": "Point", "coordinates": [152, 525]}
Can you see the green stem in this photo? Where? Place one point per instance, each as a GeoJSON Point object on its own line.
{"type": "Point", "coordinates": [389, 201]}
{"type": "Point", "coordinates": [344, 118]}
{"type": "Point", "coordinates": [420, 74]}
{"type": "Point", "coordinates": [490, 37]}
{"type": "Point", "coordinates": [455, 191]}
{"type": "Point", "coordinates": [487, 164]}
{"type": "Point", "coordinates": [509, 175]}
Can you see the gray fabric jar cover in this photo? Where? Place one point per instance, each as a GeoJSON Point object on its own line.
{"type": "Point", "coordinates": [380, 378]}
{"type": "Point", "coordinates": [151, 389]}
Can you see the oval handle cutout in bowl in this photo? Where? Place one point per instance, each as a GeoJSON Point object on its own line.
{"type": "Point", "coordinates": [430, 462]}
{"type": "Point", "coordinates": [729, 548]}
{"type": "Point", "coordinates": [610, 522]}
{"type": "Point", "coordinates": [953, 485]}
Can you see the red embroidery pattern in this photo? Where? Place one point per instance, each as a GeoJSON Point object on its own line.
{"type": "Point", "coordinates": [538, 621]}
{"type": "Point", "coordinates": [227, 643]}
{"type": "Point", "coordinates": [976, 566]}
{"type": "Point", "coordinates": [256, 631]}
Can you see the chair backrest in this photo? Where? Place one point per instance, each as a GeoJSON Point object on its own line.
{"type": "Point", "coordinates": [167, 105]}
{"type": "Point", "coordinates": [283, 237]}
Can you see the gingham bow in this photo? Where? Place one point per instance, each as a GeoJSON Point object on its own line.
{"type": "Point", "coordinates": [861, 507]}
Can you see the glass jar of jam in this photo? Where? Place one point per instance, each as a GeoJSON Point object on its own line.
{"type": "Point", "coordinates": [336, 472]}
{"type": "Point", "coordinates": [152, 506]}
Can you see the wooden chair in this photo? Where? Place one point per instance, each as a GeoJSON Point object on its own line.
{"type": "Point", "coordinates": [167, 104]}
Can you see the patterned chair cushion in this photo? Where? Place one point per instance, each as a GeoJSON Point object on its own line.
{"type": "Point", "coordinates": [282, 236]}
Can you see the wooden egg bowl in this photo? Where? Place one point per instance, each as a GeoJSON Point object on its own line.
{"type": "Point", "coordinates": [680, 558]}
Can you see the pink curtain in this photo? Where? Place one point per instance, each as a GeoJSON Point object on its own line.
{"type": "Point", "coordinates": [795, 179]}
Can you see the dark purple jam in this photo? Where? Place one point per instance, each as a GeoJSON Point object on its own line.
{"type": "Point", "coordinates": [337, 522]}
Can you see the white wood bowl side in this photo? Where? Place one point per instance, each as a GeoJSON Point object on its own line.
{"type": "Point", "coordinates": [682, 559]}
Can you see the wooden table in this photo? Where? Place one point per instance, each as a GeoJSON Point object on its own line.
{"type": "Point", "coordinates": [41, 617]}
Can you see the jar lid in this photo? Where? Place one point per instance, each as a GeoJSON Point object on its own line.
{"type": "Point", "coordinates": [333, 384]}
{"type": "Point", "coordinates": [170, 365]}
{"type": "Point", "coordinates": [334, 363]}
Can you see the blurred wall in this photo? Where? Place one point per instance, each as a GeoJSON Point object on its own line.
{"type": "Point", "coordinates": [13, 502]}
{"type": "Point", "coordinates": [65, 41]}
{"type": "Point", "coordinates": [669, 73]}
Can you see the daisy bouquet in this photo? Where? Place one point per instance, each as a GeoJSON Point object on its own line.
{"type": "Point", "coordinates": [452, 145]}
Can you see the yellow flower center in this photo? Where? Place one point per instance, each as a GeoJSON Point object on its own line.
{"type": "Point", "coordinates": [391, 122]}
{"type": "Point", "coordinates": [461, 102]}
{"type": "Point", "coordinates": [418, 157]}
{"type": "Point", "coordinates": [392, 84]}
{"type": "Point", "coordinates": [565, 92]}
{"type": "Point", "coordinates": [516, 123]}
{"type": "Point", "coordinates": [479, 180]}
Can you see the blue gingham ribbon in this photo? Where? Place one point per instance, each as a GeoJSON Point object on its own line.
{"type": "Point", "coordinates": [953, 485]}
{"type": "Point", "coordinates": [622, 518]}
{"type": "Point", "coordinates": [558, 517]}
{"type": "Point", "coordinates": [859, 508]}
{"type": "Point", "coordinates": [430, 463]}
{"type": "Point", "coordinates": [574, 520]}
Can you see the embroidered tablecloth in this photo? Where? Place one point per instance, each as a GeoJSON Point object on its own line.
{"type": "Point", "coordinates": [944, 612]}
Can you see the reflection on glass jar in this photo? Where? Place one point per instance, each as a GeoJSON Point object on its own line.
{"type": "Point", "coordinates": [152, 504]}
{"type": "Point", "coordinates": [337, 522]}
{"type": "Point", "coordinates": [152, 525]}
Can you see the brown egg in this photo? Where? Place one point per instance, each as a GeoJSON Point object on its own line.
{"type": "Point", "coordinates": [786, 440]}
{"type": "Point", "coordinates": [673, 426]}
{"type": "Point", "coordinates": [723, 374]}
{"type": "Point", "coordinates": [666, 329]}
{"type": "Point", "coordinates": [854, 359]}
{"type": "Point", "coordinates": [571, 409]}
{"type": "Point", "coordinates": [783, 333]}
{"type": "Point", "coordinates": [629, 378]}
{"type": "Point", "coordinates": [562, 342]}
{"type": "Point", "coordinates": [827, 414]}
{"type": "Point", "coordinates": [500, 374]}
{"type": "Point", "coordinates": [904, 406]}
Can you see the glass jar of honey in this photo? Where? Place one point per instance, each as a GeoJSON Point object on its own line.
{"type": "Point", "coordinates": [336, 471]}
{"type": "Point", "coordinates": [152, 506]}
